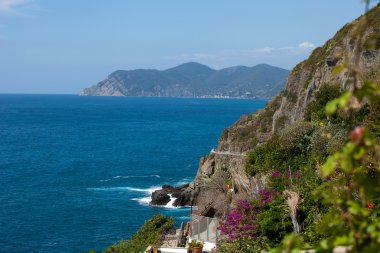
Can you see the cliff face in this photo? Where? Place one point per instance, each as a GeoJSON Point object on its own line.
{"type": "Point", "coordinates": [287, 108]}
{"type": "Point", "coordinates": [193, 80]}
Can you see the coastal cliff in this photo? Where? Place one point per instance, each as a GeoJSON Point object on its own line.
{"type": "Point", "coordinates": [288, 114]}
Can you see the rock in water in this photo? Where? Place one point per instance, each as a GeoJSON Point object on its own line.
{"type": "Point", "coordinates": [181, 193]}
{"type": "Point", "coordinates": [160, 198]}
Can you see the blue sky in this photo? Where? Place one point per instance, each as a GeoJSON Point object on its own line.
{"type": "Point", "coordinates": [63, 46]}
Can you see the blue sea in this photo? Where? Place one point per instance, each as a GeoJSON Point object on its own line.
{"type": "Point", "coordinates": [76, 172]}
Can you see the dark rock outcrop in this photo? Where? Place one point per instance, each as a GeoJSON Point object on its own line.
{"type": "Point", "coordinates": [182, 195]}
{"type": "Point", "coordinates": [160, 198]}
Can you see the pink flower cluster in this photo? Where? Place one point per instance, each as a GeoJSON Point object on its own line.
{"type": "Point", "coordinates": [276, 173]}
{"type": "Point", "coordinates": [265, 197]}
{"type": "Point", "coordinates": [240, 221]}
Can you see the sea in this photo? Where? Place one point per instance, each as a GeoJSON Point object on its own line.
{"type": "Point", "coordinates": [76, 173]}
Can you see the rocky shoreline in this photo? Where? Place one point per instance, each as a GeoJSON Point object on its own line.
{"type": "Point", "coordinates": [182, 194]}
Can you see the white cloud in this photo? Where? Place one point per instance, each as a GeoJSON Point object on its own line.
{"type": "Point", "coordinates": [291, 50]}
{"type": "Point", "coordinates": [12, 7]}
{"type": "Point", "coordinates": [302, 48]}
{"type": "Point", "coordinates": [306, 44]}
{"type": "Point", "coordinates": [286, 56]}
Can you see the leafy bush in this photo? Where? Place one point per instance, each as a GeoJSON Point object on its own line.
{"type": "Point", "coordinates": [242, 245]}
{"type": "Point", "coordinates": [315, 110]}
{"type": "Point", "coordinates": [326, 140]}
{"type": "Point", "coordinates": [273, 221]}
{"type": "Point", "coordinates": [265, 158]}
{"type": "Point", "coordinates": [150, 233]}
{"type": "Point", "coordinates": [195, 244]}
{"type": "Point", "coordinates": [281, 151]}
{"type": "Point", "coordinates": [372, 119]}
{"type": "Point", "coordinates": [337, 141]}
{"type": "Point", "coordinates": [296, 137]}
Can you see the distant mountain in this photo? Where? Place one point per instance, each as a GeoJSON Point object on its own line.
{"type": "Point", "coordinates": [193, 80]}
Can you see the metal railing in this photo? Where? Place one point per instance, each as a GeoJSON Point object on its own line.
{"type": "Point", "coordinates": [204, 228]}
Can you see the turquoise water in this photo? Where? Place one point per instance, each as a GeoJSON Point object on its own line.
{"type": "Point", "coordinates": [76, 172]}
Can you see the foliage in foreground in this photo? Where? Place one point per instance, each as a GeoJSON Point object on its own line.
{"type": "Point", "coordinates": [150, 233]}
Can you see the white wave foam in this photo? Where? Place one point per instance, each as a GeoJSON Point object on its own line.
{"type": "Point", "coordinates": [143, 201]}
{"type": "Point", "coordinates": [156, 176]}
{"type": "Point", "coordinates": [146, 201]}
{"type": "Point", "coordinates": [147, 190]}
{"type": "Point", "coordinates": [118, 177]}
{"type": "Point", "coordinates": [170, 203]}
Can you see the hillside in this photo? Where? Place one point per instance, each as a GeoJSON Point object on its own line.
{"type": "Point", "coordinates": [193, 80]}
{"type": "Point", "coordinates": [273, 159]}
{"type": "Point", "coordinates": [290, 106]}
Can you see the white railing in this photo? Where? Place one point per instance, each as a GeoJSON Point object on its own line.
{"type": "Point", "coordinates": [204, 228]}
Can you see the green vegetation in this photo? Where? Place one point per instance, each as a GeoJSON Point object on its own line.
{"type": "Point", "coordinates": [323, 173]}
{"type": "Point", "coordinates": [265, 116]}
{"type": "Point", "coordinates": [195, 244]}
{"type": "Point", "coordinates": [290, 96]}
{"type": "Point", "coordinates": [315, 110]}
{"type": "Point", "coordinates": [288, 148]}
{"type": "Point", "coordinates": [149, 234]}
{"type": "Point", "coordinates": [280, 122]}
{"type": "Point", "coordinates": [245, 133]}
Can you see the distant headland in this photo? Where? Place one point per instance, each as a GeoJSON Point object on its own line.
{"type": "Point", "coordinates": [194, 80]}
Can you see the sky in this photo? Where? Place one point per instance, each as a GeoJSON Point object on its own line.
{"type": "Point", "coordinates": [61, 47]}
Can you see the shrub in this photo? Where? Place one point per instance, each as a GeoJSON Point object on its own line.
{"type": "Point", "coordinates": [150, 233]}
{"type": "Point", "coordinates": [265, 158]}
{"type": "Point", "coordinates": [242, 245]}
{"type": "Point", "coordinates": [296, 137]}
{"type": "Point", "coordinates": [273, 222]}
{"type": "Point", "coordinates": [337, 141]}
{"type": "Point", "coordinates": [326, 140]}
{"type": "Point", "coordinates": [195, 244]}
{"type": "Point", "coordinates": [281, 151]}
{"type": "Point", "coordinates": [315, 110]}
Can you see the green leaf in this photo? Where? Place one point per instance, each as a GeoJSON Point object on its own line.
{"type": "Point", "coordinates": [324, 244]}
{"type": "Point", "coordinates": [341, 240]}
{"type": "Point", "coordinates": [354, 207]}
{"type": "Point", "coordinates": [348, 148]}
{"type": "Point", "coordinates": [329, 166]}
{"type": "Point", "coordinates": [346, 163]}
{"type": "Point", "coordinates": [369, 90]}
{"type": "Point", "coordinates": [331, 106]}
{"type": "Point", "coordinates": [360, 153]}
{"type": "Point", "coordinates": [340, 102]}
{"type": "Point", "coordinates": [344, 99]}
